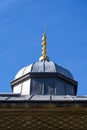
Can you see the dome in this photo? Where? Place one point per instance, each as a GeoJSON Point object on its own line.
{"type": "Point", "coordinates": [44, 77]}
{"type": "Point", "coordinates": [44, 66]}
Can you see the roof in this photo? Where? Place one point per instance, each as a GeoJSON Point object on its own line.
{"type": "Point", "coordinates": [17, 97]}
{"type": "Point", "coordinates": [44, 66]}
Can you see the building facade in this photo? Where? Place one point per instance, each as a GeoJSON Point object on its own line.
{"type": "Point", "coordinates": [43, 98]}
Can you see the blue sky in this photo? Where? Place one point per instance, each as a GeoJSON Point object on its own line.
{"type": "Point", "coordinates": [21, 28]}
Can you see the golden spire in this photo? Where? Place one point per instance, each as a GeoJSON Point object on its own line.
{"type": "Point", "coordinates": [44, 45]}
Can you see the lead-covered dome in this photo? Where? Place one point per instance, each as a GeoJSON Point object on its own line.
{"type": "Point", "coordinates": [44, 78]}
{"type": "Point", "coordinates": [44, 66]}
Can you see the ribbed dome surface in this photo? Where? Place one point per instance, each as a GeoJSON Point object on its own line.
{"type": "Point", "coordinates": [44, 66]}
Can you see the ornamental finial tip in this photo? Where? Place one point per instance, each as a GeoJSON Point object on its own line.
{"type": "Point", "coordinates": [44, 28]}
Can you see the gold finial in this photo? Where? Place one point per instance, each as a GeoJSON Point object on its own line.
{"type": "Point", "coordinates": [44, 45]}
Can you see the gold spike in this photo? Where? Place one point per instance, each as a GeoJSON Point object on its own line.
{"type": "Point", "coordinates": [44, 53]}
{"type": "Point", "coordinates": [44, 48]}
{"type": "Point", "coordinates": [44, 44]}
